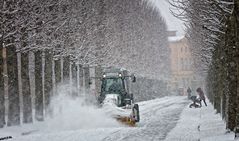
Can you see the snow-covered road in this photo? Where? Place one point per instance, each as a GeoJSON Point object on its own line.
{"type": "Point", "coordinates": [158, 117]}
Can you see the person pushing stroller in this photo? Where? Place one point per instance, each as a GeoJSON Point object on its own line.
{"type": "Point", "coordinates": [201, 96]}
{"type": "Point", "coordinates": [197, 101]}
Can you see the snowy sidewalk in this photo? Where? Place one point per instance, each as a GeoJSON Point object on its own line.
{"type": "Point", "coordinates": [200, 124]}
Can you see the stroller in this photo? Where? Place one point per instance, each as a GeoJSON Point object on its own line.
{"type": "Point", "coordinates": [196, 102]}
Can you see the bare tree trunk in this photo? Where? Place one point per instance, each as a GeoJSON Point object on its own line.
{"type": "Point", "coordinates": [43, 84]}
{"type": "Point", "coordinates": [58, 74]}
{"type": "Point", "coordinates": [98, 74]}
{"type": "Point", "coordinates": [70, 78]}
{"type": "Point", "coordinates": [78, 78]}
{"type": "Point", "coordinates": [236, 8]}
{"type": "Point", "coordinates": [61, 69]}
{"type": "Point", "coordinates": [81, 79]}
{"type": "Point", "coordinates": [92, 81]}
{"type": "Point", "coordinates": [237, 98]}
{"type": "Point", "coordinates": [48, 77]}
{"type": "Point", "coordinates": [26, 91]}
{"type": "Point", "coordinates": [13, 115]}
{"type": "Point", "coordinates": [38, 86]}
{"type": "Point", "coordinates": [53, 77]}
{"type": "Point", "coordinates": [19, 69]}
{"type": "Point", "coordinates": [5, 76]}
{"type": "Point", "coordinates": [217, 88]}
{"type": "Point", "coordinates": [66, 68]}
{"type": "Point", "coordinates": [231, 40]}
{"type": "Point", "coordinates": [224, 106]}
{"type": "Point", "coordinates": [86, 82]}
{"type": "Point", "coordinates": [2, 113]}
{"type": "Point", "coordinates": [74, 78]}
{"type": "Point", "coordinates": [31, 67]}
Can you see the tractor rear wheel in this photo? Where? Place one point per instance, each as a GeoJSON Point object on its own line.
{"type": "Point", "coordinates": [135, 111]}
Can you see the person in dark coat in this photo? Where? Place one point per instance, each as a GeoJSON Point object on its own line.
{"type": "Point", "coordinates": [189, 91]}
{"type": "Point", "coordinates": [201, 96]}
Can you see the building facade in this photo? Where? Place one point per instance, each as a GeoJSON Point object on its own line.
{"type": "Point", "coordinates": [183, 75]}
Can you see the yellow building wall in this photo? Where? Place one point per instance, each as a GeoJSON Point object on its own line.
{"type": "Point", "coordinates": [181, 66]}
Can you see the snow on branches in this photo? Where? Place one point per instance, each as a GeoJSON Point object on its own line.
{"type": "Point", "coordinates": [206, 25]}
{"type": "Point", "coordinates": [124, 33]}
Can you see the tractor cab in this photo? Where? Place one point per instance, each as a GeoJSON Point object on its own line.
{"type": "Point", "coordinates": [115, 87]}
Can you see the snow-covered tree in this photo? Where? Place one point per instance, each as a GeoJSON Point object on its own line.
{"type": "Point", "coordinates": [213, 35]}
{"type": "Point", "coordinates": [49, 41]}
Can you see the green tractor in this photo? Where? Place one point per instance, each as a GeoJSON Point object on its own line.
{"type": "Point", "coordinates": [115, 89]}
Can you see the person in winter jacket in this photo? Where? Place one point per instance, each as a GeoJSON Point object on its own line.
{"type": "Point", "coordinates": [189, 91]}
{"type": "Point", "coordinates": [201, 96]}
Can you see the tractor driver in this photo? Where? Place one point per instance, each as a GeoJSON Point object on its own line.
{"type": "Point", "coordinates": [115, 87]}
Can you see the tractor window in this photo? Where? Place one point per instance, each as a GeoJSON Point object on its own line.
{"type": "Point", "coordinates": [112, 85]}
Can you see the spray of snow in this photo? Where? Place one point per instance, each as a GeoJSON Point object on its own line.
{"type": "Point", "coordinates": [70, 112]}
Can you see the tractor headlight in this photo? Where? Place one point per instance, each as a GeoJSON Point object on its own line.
{"type": "Point", "coordinates": [120, 75]}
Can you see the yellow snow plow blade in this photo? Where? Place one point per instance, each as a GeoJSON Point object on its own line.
{"type": "Point", "coordinates": [126, 120]}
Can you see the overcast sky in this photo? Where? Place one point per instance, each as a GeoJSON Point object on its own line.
{"type": "Point", "coordinates": [172, 22]}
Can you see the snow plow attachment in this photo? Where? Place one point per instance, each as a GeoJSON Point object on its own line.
{"type": "Point", "coordinates": [132, 118]}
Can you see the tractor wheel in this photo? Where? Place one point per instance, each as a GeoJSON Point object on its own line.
{"type": "Point", "coordinates": [135, 111]}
